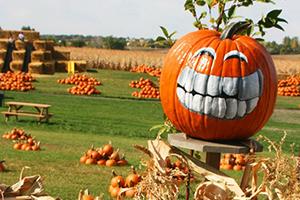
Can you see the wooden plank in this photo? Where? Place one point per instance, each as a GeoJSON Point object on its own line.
{"type": "Point", "coordinates": [23, 114]}
{"type": "Point", "coordinates": [27, 104]}
{"type": "Point", "coordinates": [180, 140]}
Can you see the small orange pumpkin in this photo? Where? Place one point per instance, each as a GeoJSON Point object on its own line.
{"type": "Point", "coordinates": [218, 86]}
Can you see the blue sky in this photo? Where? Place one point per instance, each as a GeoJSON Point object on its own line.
{"type": "Point", "coordinates": [124, 18]}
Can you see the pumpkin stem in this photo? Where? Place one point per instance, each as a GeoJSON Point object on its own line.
{"type": "Point", "coordinates": [234, 28]}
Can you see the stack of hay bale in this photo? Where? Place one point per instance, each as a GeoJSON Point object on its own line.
{"type": "Point", "coordinates": [3, 46]}
{"type": "Point", "coordinates": [18, 55]}
{"type": "Point", "coordinates": [63, 58]}
{"type": "Point", "coordinates": [41, 58]}
{"type": "Point", "coordinates": [44, 59]}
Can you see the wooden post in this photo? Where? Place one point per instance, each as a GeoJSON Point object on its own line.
{"type": "Point", "coordinates": [213, 160]}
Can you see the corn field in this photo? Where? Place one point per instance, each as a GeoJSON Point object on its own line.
{"type": "Point", "coordinates": [126, 59]}
{"type": "Point", "coordinates": [116, 59]}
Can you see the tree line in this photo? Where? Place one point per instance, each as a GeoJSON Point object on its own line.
{"type": "Point", "coordinates": [289, 45]}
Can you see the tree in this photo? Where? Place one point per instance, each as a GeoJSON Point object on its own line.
{"type": "Point", "coordinates": [114, 43]}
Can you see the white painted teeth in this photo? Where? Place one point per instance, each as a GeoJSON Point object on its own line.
{"type": "Point", "coordinates": [207, 105]}
{"type": "Point", "coordinates": [183, 76]}
{"type": "Point", "coordinates": [200, 83]}
{"type": "Point", "coordinates": [198, 103]}
{"type": "Point", "coordinates": [232, 107]}
{"type": "Point", "coordinates": [180, 94]}
{"type": "Point", "coordinates": [261, 81]}
{"type": "Point", "coordinates": [251, 104]}
{"type": "Point", "coordinates": [220, 97]}
{"type": "Point", "coordinates": [249, 87]}
{"type": "Point", "coordinates": [230, 86]}
{"type": "Point", "coordinates": [242, 107]}
{"type": "Point", "coordinates": [213, 85]}
{"type": "Point", "coordinates": [218, 107]}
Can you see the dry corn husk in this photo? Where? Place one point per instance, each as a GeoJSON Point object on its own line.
{"type": "Point", "coordinates": [27, 188]}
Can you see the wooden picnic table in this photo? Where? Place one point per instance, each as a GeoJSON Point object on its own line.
{"type": "Point", "coordinates": [41, 111]}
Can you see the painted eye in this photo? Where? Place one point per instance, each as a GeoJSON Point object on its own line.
{"type": "Point", "coordinates": [206, 50]}
{"type": "Point", "coordinates": [236, 54]}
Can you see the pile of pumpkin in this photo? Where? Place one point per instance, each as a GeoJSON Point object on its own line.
{"type": "Point", "coordinates": [125, 186]}
{"type": "Point", "coordinates": [289, 86]}
{"type": "Point", "coordinates": [235, 162]}
{"type": "Point", "coordinates": [152, 71]}
{"type": "Point", "coordinates": [183, 170]}
{"type": "Point", "coordinates": [16, 134]}
{"type": "Point", "coordinates": [148, 88]}
{"type": "Point", "coordinates": [16, 81]}
{"type": "Point", "coordinates": [84, 85]}
{"type": "Point", "coordinates": [103, 156]}
{"type": "Point", "coordinates": [22, 141]}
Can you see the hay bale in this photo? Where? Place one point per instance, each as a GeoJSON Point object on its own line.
{"type": "Point", "coordinates": [39, 45]}
{"type": "Point", "coordinates": [61, 66]}
{"type": "Point", "coordinates": [2, 54]}
{"type": "Point", "coordinates": [18, 55]}
{"type": "Point", "coordinates": [35, 67]}
{"type": "Point", "coordinates": [1, 65]}
{"type": "Point", "coordinates": [3, 43]}
{"type": "Point", "coordinates": [16, 66]}
{"type": "Point", "coordinates": [49, 67]}
{"type": "Point", "coordinates": [41, 56]}
{"type": "Point", "coordinates": [20, 45]}
{"type": "Point", "coordinates": [50, 45]}
{"type": "Point", "coordinates": [29, 35]}
{"type": "Point", "coordinates": [80, 65]}
{"type": "Point", "coordinates": [37, 56]}
{"type": "Point", "coordinates": [61, 55]}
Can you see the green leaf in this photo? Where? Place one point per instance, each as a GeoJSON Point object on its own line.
{"type": "Point", "coordinates": [279, 27]}
{"type": "Point", "coordinates": [203, 15]}
{"type": "Point", "coordinates": [172, 34]}
{"type": "Point", "coordinates": [231, 11]}
{"type": "Point", "coordinates": [164, 30]}
{"type": "Point", "coordinates": [274, 14]}
{"type": "Point", "coordinates": [281, 20]}
{"type": "Point", "coordinates": [189, 5]}
{"type": "Point", "coordinates": [160, 39]}
{"type": "Point", "coordinates": [200, 2]}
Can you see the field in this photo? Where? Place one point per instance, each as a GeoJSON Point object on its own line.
{"type": "Point", "coordinates": [116, 116]}
{"type": "Point", "coordinates": [124, 60]}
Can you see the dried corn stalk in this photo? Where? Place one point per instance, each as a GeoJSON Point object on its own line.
{"type": "Point", "coordinates": [27, 188]}
{"type": "Point", "coordinates": [280, 174]}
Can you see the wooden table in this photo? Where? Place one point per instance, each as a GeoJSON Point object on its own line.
{"type": "Point", "coordinates": [40, 111]}
{"type": "Point", "coordinates": [213, 150]}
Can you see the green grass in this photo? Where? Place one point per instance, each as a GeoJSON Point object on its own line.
{"type": "Point", "coordinates": [115, 116]}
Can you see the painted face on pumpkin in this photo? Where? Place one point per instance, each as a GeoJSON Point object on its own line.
{"type": "Point", "coordinates": [222, 97]}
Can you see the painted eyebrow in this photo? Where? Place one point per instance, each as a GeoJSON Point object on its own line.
{"type": "Point", "coordinates": [236, 54]}
{"type": "Point", "coordinates": [210, 51]}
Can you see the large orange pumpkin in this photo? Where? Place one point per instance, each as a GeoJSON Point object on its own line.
{"type": "Point", "coordinates": [218, 86]}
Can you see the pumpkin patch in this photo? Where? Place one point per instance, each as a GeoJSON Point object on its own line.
{"type": "Point", "coordinates": [103, 156]}
{"type": "Point", "coordinates": [84, 85]}
{"type": "Point", "coordinates": [27, 145]}
{"type": "Point", "coordinates": [289, 86]}
{"type": "Point", "coordinates": [18, 81]}
{"type": "Point", "coordinates": [148, 88]}
{"type": "Point", "coordinates": [235, 162]}
{"type": "Point", "coordinates": [124, 187]}
{"type": "Point", "coordinates": [152, 71]}
{"type": "Point", "coordinates": [16, 134]}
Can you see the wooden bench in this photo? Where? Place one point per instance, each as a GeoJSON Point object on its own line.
{"type": "Point", "coordinates": [41, 111]}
